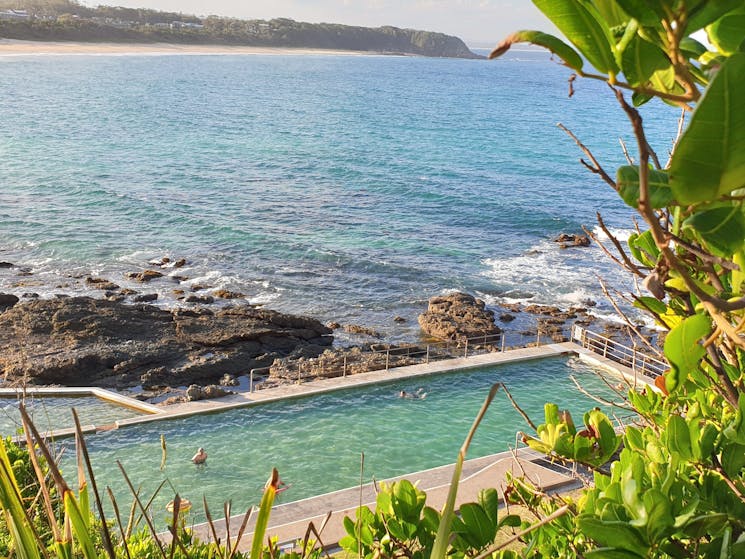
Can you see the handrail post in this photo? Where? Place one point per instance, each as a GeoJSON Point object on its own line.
{"type": "Point", "coordinates": [298, 375]}
{"type": "Point", "coordinates": [387, 357]}
{"type": "Point", "coordinates": [504, 337]}
{"type": "Point", "coordinates": [605, 348]}
{"type": "Point", "coordinates": [251, 381]}
{"type": "Point", "coordinates": [465, 352]}
{"type": "Point", "coordinates": [426, 360]}
{"type": "Point", "coordinates": [538, 338]}
{"type": "Point", "coordinates": [344, 370]}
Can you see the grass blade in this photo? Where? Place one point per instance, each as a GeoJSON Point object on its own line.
{"type": "Point", "coordinates": [119, 522]}
{"type": "Point", "coordinates": [241, 531]}
{"type": "Point", "coordinates": [265, 509]}
{"type": "Point", "coordinates": [144, 515]}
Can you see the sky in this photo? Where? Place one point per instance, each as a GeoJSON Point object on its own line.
{"type": "Point", "coordinates": [481, 23]}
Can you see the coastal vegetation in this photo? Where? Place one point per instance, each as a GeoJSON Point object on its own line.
{"type": "Point", "coordinates": [672, 483]}
{"type": "Point", "coordinates": [67, 20]}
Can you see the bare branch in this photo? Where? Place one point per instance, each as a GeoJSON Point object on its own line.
{"type": "Point", "coordinates": [519, 409]}
{"type": "Point", "coordinates": [629, 159]}
{"type": "Point", "coordinates": [679, 133]}
{"type": "Point", "coordinates": [595, 167]}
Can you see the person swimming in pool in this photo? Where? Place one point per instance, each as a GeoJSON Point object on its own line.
{"type": "Point", "coordinates": [200, 457]}
{"type": "Point", "coordinates": [418, 395]}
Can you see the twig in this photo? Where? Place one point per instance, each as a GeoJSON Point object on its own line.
{"type": "Point", "coordinates": [598, 399]}
{"type": "Point", "coordinates": [595, 167]}
{"type": "Point", "coordinates": [518, 408]}
{"type": "Point", "coordinates": [628, 157]}
{"type": "Point", "coordinates": [681, 122]}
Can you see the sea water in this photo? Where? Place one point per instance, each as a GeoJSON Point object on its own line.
{"type": "Point", "coordinates": [349, 188]}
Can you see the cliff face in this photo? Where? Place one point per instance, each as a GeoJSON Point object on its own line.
{"type": "Point", "coordinates": [80, 23]}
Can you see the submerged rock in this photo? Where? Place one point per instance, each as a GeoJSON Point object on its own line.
{"type": "Point", "coordinates": [80, 341]}
{"type": "Point", "coordinates": [567, 240]}
{"type": "Point", "coordinates": [458, 316]}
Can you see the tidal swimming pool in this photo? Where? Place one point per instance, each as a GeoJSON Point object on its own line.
{"type": "Point", "coordinates": [316, 442]}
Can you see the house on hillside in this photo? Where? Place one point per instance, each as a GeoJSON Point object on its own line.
{"type": "Point", "coordinates": [14, 14]}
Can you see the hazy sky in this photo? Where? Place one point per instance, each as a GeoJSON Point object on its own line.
{"type": "Point", "coordinates": [478, 22]}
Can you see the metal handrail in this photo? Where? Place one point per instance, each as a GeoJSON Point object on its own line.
{"type": "Point", "coordinates": [629, 356]}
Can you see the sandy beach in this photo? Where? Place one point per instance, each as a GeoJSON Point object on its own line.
{"type": "Point", "coordinates": [12, 47]}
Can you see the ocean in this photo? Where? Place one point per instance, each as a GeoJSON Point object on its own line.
{"type": "Point", "coordinates": [347, 188]}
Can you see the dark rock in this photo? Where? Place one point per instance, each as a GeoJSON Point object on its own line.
{"type": "Point", "coordinates": [91, 342]}
{"type": "Point", "coordinates": [458, 316]}
{"type": "Point", "coordinates": [399, 319]}
{"type": "Point", "coordinates": [145, 276]}
{"type": "Point", "coordinates": [199, 287]}
{"type": "Point", "coordinates": [200, 299]}
{"type": "Point", "coordinates": [333, 325]}
{"type": "Point", "coordinates": [101, 283]}
{"type": "Point", "coordinates": [30, 295]}
{"type": "Point", "coordinates": [179, 278]}
{"type": "Point", "coordinates": [127, 291]}
{"type": "Point", "coordinates": [6, 265]}
{"type": "Point", "coordinates": [25, 272]}
{"type": "Point", "coordinates": [180, 263]}
{"type": "Point", "coordinates": [145, 297]}
{"type": "Point", "coordinates": [7, 301]}
{"type": "Point", "coordinates": [506, 317]}
{"type": "Point", "coordinates": [567, 240]}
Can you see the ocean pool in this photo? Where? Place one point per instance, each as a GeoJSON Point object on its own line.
{"type": "Point", "coordinates": [52, 413]}
{"type": "Point", "coordinates": [316, 442]}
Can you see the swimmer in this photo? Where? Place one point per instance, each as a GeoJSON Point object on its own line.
{"type": "Point", "coordinates": [200, 457]}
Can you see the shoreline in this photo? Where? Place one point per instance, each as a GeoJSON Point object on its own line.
{"type": "Point", "coordinates": [16, 47]}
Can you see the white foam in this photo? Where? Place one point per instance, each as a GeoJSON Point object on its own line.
{"type": "Point", "coordinates": [619, 234]}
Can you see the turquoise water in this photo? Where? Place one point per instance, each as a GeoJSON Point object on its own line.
{"type": "Point", "coordinates": [347, 188]}
{"type": "Point", "coordinates": [316, 442]}
{"type": "Point", "coordinates": [52, 413]}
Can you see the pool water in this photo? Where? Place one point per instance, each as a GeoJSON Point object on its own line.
{"type": "Point", "coordinates": [316, 442]}
{"type": "Point", "coordinates": [53, 412]}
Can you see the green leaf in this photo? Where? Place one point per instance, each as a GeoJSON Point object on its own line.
{"type": "Point", "coordinates": [641, 60]}
{"type": "Point", "coordinates": [711, 523]}
{"type": "Point", "coordinates": [554, 44]}
{"type": "Point", "coordinates": [583, 26]}
{"type": "Point", "coordinates": [709, 12]}
{"type": "Point", "coordinates": [648, 13]}
{"type": "Point", "coordinates": [709, 160]}
{"type": "Point", "coordinates": [616, 534]}
{"type": "Point", "coordinates": [728, 33]}
{"type": "Point", "coordinates": [627, 178]}
{"type": "Point", "coordinates": [475, 527]}
{"type": "Point", "coordinates": [79, 524]}
{"type": "Point", "coordinates": [692, 48]}
{"type": "Point", "coordinates": [644, 248]}
{"type": "Point", "coordinates": [650, 304]}
{"type": "Point", "coordinates": [489, 501]}
{"type": "Point", "coordinates": [738, 276]}
{"type": "Point", "coordinates": [611, 12]}
{"type": "Point", "coordinates": [723, 228]}
{"type": "Point", "coordinates": [733, 459]}
{"type": "Point", "coordinates": [511, 521]}
{"type": "Point", "coordinates": [678, 437]}
{"type": "Point", "coordinates": [682, 347]}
